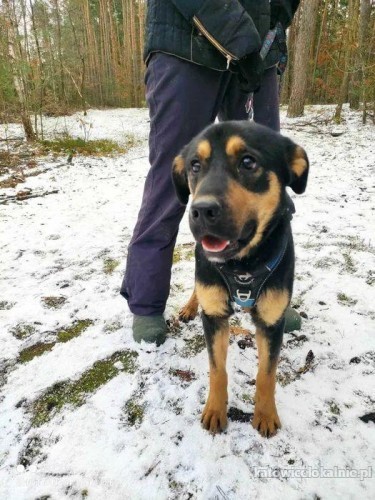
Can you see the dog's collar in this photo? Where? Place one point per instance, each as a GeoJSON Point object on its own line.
{"type": "Point", "coordinates": [244, 283]}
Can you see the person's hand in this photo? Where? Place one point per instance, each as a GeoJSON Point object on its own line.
{"type": "Point", "coordinates": [282, 12]}
{"type": "Point", "coordinates": [250, 71]}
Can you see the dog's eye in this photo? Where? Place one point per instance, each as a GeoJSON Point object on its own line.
{"type": "Point", "coordinates": [195, 166]}
{"type": "Point", "coordinates": [249, 162]}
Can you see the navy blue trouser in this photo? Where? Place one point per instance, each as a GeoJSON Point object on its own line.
{"type": "Point", "coordinates": [183, 98]}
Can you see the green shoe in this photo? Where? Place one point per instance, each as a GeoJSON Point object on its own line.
{"type": "Point", "coordinates": [151, 329]}
{"type": "Point", "coordinates": [293, 320]}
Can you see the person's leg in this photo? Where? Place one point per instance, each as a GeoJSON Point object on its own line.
{"type": "Point", "coordinates": [183, 98]}
{"type": "Point", "coordinates": [266, 101]}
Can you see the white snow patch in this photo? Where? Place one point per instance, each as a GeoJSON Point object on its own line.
{"type": "Point", "coordinates": [56, 246]}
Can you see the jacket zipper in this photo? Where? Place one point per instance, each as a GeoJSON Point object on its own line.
{"type": "Point", "coordinates": [228, 56]}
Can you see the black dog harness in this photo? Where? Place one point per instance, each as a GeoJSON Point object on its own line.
{"type": "Point", "coordinates": [245, 287]}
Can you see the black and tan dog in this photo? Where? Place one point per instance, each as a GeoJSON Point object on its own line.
{"type": "Point", "coordinates": [237, 173]}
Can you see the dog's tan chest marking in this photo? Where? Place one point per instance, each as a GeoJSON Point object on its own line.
{"type": "Point", "coordinates": [213, 299]}
{"type": "Point", "coordinates": [272, 304]}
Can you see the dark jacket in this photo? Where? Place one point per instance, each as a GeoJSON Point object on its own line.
{"type": "Point", "coordinates": [213, 33]}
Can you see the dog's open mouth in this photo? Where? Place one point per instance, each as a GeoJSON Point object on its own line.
{"type": "Point", "coordinates": [217, 248]}
{"type": "Point", "coordinates": [223, 248]}
{"type": "Point", "coordinates": [213, 244]}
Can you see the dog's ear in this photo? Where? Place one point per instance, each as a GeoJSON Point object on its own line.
{"type": "Point", "coordinates": [180, 179]}
{"type": "Point", "coordinates": [298, 165]}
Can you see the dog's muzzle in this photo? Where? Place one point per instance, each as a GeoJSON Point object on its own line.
{"type": "Point", "coordinates": [205, 212]}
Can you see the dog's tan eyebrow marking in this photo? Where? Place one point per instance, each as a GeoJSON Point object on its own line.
{"type": "Point", "coordinates": [204, 149]}
{"type": "Point", "coordinates": [178, 164]}
{"type": "Point", "coordinates": [234, 145]}
{"type": "Point", "coordinates": [299, 163]}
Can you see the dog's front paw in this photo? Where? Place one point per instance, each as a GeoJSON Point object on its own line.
{"type": "Point", "coordinates": [187, 313]}
{"type": "Point", "coordinates": [266, 423]}
{"type": "Point", "coordinates": [214, 418]}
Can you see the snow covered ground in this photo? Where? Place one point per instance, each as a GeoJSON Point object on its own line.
{"type": "Point", "coordinates": [128, 427]}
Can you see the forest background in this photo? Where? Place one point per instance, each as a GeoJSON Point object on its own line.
{"type": "Point", "coordinates": [60, 56]}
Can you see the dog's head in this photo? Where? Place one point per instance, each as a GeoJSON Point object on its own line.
{"type": "Point", "coordinates": [236, 173]}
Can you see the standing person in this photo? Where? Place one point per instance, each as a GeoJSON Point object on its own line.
{"type": "Point", "coordinates": [202, 60]}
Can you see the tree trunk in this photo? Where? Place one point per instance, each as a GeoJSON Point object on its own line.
{"type": "Point", "coordinates": [19, 83]}
{"type": "Point", "coordinates": [59, 52]}
{"type": "Point", "coordinates": [309, 11]}
{"type": "Point", "coordinates": [349, 44]}
{"type": "Point", "coordinates": [291, 42]}
{"type": "Point", "coordinates": [40, 65]}
{"type": "Point", "coordinates": [364, 51]}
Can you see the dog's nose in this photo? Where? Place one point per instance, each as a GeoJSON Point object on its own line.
{"type": "Point", "coordinates": [204, 210]}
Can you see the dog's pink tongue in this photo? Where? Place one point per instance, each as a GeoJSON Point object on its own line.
{"type": "Point", "coordinates": [212, 244]}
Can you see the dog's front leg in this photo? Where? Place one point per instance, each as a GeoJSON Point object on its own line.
{"type": "Point", "coordinates": [216, 331]}
{"type": "Point", "coordinates": [266, 419]}
{"type": "Point", "coordinates": [190, 309]}
{"type": "Point", "coordinates": [269, 319]}
{"type": "Point", "coordinates": [213, 299]}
